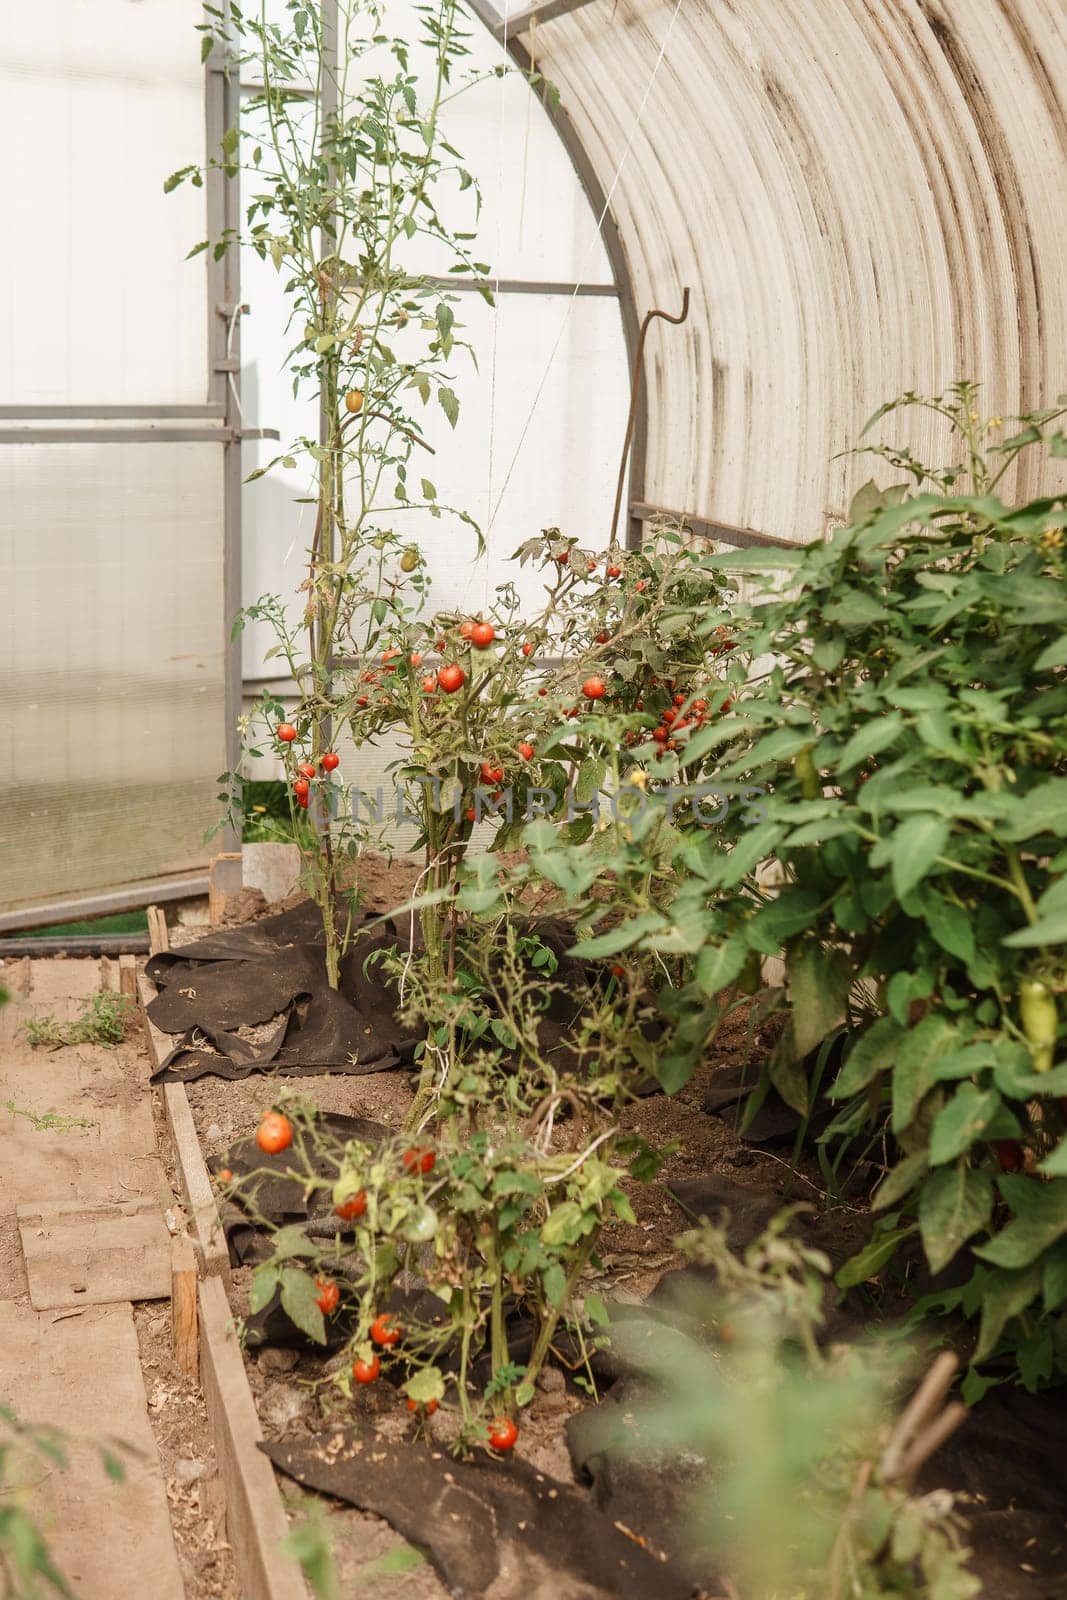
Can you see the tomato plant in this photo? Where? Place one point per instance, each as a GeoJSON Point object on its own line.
{"type": "Point", "coordinates": [372, 339]}
{"type": "Point", "coordinates": [911, 738]}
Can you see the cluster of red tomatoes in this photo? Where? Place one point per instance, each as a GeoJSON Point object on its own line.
{"type": "Point", "coordinates": [676, 719]}
{"type": "Point", "coordinates": [306, 770]}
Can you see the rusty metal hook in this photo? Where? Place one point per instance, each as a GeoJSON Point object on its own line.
{"type": "Point", "coordinates": [635, 383]}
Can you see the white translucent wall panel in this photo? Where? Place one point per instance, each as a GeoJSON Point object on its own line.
{"type": "Point", "coordinates": [99, 101]}
{"type": "Point", "coordinates": [111, 663]}
{"type": "Point", "coordinates": [864, 197]}
{"type": "Point", "coordinates": [537, 445]}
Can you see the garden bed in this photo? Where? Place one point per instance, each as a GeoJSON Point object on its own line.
{"type": "Point", "coordinates": [299, 1409]}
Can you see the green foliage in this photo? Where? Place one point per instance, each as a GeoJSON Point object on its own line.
{"type": "Point", "coordinates": [793, 1432]}
{"type": "Point", "coordinates": [309, 1543]}
{"type": "Point", "coordinates": [911, 737]}
{"type": "Point", "coordinates": [104, 1021]}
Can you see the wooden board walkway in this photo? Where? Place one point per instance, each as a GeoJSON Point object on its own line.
{"type": "Point", "coordinates": [81, 1177]}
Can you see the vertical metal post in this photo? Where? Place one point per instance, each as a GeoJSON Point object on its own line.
{"type": "Point", "coordinates": [223, 97]}
{"type": "Point", "coordinates": [329, 68]}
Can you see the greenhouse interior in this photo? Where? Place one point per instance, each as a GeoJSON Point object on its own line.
{"type": "Point", "coordinates": [533, 910]}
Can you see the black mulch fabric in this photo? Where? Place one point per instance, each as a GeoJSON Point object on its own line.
{"type": "Point", "coordinates": [1009, 1461]}
{"type": "Point", "coordinates": [274, 969]}
{"type": "Point", "coordinates": [490, 1527]}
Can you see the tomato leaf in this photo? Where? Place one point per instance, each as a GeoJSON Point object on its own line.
{"type": "Point", "coordinates": [954, 1204]}
{"type": "Point", "coordinates": [914, 847]}
{"type": "Point", "coordinates": [425, 1385]}
{"type": "Point", "coordinates": [1005, 1295]}
{"type": "Point", "coordinates": [718, 965]}
{"type": "Point", "coordinates": [872, 1054]}
{"type": "Point", "coordinates": [1039, 1220]}
{"type": "Point", "coordinates": [818, 981]}
{"type": "Point", "coordinates": [299, 1295]}
{"type": "Point", "coordinates": [964, 1119]}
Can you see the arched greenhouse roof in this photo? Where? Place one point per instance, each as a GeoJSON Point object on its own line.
{"type": "Point", "coordinates": [863, 198]}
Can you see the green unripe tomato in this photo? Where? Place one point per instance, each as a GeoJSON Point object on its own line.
{"type": "Point", "coordinates": [409, 560]}
{"type": "Point", "coordinates": [1037, 1008]}
{"type": "Point", "coordinates": [804, 768]}
{"type": "Point", "coordinates": [420, 1225]}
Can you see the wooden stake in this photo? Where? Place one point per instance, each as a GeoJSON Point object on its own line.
{"type": "Point", "coordinates": [128, 977]}
{"type": "Point", "coordinates": [183, 1312]}
{"type": "Point", "coordinates": [158, 936]}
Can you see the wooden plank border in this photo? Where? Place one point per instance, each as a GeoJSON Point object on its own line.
{"type": "Point", "coordinates": [256, 1523]}
{"type": "Point", "coordinates": [205, 1225]}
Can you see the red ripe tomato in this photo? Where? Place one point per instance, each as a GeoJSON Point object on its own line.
{"type": "Point", "coordinates": [451, 678]}
{"type": "Point", "coordinates": [525, 750]}
{"type": "Point", "coordinates": [361, 700]}
{"type": "Point", "coordinates": [502, 1434]}
{"type": "Point", "coordinates": [328, 1297]}
{"type": "Point", "coordinates": [274, 1133]}
{"type": "Point", "coordinates": [594, 688]}
{"type": "Point", "coordinates": [391, 654]}
{"type": "Point", "coordinates": [331, 761]}
{"type": "Point", "coordinates": [428, 1409]}
{"type": "Point", "coordinates": [429, 684]}
{"type": "Point", "coordinates": [618, 971]}
{"type": "Point", "coordinates": [669, 715]}
{"type": "Point", "coordinates": [470, 814]}
{"type": "Point", "coordinates": [225, 1175]}
{"type": "Point", "coordinates": [603, 636]}
{"type": "Point", "coordinates": [385, 1330]}
{"type": "Point", "coordinates": [528, 649]}
{"type": "Point", "coordinates": [700, 705]}
{"type": "Point", "coordinates": [661, 735]}
{"type": "Point", "coordinates": [466, 628]}
{"type": "Point", "coordinates": [303, 801]}
{"type": "Point", "coordinates": [491, 774]}
{"type": "Point", "coordinates": [286, 732]}
{"type": "Point", "coordinates": [305, 769]}
{"type": "Point", "coordinates": [640, 586]}
{"type": "Point", "coordinates": [1009, 1153]}
{"type": "Point", "coordinates": [614, 572]}
{"type": "Point", "coordinates": [366, 1371]}
{"type": "Point", "coordinates": [416, 659]}
{"type": "Point", "coordinates": [419, 1160]}
{"type": "Point", "coordinates": [301, 788]}
{"type": "Point", "coordinates": [563, 557]}
{"type": "Point", "coordinates": [727, 705]}
{"type": "Point", "coordinates": [542, 692]}
{"type": "Point", "coordinates": [353, 1207]}
{"type": "Point", "coordinates": [679, 699]}
{"type": "Point", "coordinates": [482, 635]}
{"type": "Point", "coordinates": [639, 705]}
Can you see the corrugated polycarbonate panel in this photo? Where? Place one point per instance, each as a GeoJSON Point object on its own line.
{"type": "Point", "coordinates": [111, 663]}
{"type": "Point", "coordinates": [99, 101]}
{"type": "Point", "coordinates": [865, 197]}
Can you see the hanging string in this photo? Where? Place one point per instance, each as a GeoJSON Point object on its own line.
{"type": "Point", "coordinates": [636, 128]}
